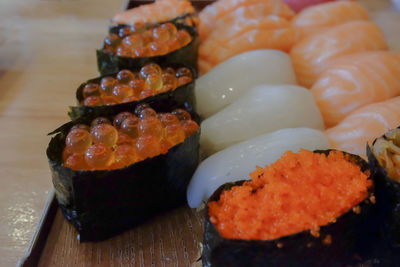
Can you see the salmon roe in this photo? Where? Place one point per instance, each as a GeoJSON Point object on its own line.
{"type": "Point", "coordinates": [302, 191]}
{"type": "Point", "coordinates": [130, 86]}
{"type": "Point", "coordinates": [146, 42]}
{"type": "Point", "coordinates": [130, 139]}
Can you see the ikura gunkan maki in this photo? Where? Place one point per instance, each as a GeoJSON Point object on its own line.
{"type": "Point", "coordinates": [130, 138]}
{"type": "Point", "coordinates": [111, 173]}
{"type": "Point", "coordinates": [129, 46]}
{"type": "Point", "coordinates": [170, 86]}
{"type": "Point", "coordinates": [130, 86]}
{"type": "Point", "coordinates": [139, 41]}
{"type": "Point", "coordinates": [306, 209]}
{"type": "Point", "coordinates": [384, 160]}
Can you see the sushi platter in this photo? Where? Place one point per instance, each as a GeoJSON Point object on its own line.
{"type": "Point", "coordinates": [230, 133]}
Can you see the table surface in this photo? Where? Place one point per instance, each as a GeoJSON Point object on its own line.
{"type": "Point", "coordinates": [47, 48]}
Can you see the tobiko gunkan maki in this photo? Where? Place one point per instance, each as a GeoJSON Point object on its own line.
{"type": "Point", "coordinates": [171, 87]}
{"type": "Point", "coordinates": [112, 173]}
{"type": "Point", "coordinates": [129, 46]}
{"type": "Point", "coordinates": [306, 209]}
{"type": "Point", "coordinates": [384, 160]}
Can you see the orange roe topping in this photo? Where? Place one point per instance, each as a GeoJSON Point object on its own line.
{"type": "Point", "coordinates": [298, 192]}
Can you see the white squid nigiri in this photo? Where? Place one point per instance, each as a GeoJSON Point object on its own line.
{"type": "Point", "coordinates": [230, 79]}
{"type": "Point", "coordinates": [236, 162]}
{"type": "Point", "coordinates": [262, 109]}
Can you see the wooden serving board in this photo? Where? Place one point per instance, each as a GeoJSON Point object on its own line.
{"type": "Point", "coordinates": [170, 239]}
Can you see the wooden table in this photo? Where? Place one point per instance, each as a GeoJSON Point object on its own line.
{"type": "Point", "coordinates": [47, 48]}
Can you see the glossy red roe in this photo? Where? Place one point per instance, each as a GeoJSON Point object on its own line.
{"type": "Point", "coordinates": [125, 155]}
{"type": "Point", "coordinates": [122, 91]}
{"type": "Point", "coordinates": [99, 157]}
{"type": "Point", "coordinates": [100, 120]}
{"type": "Point", "coordinates": [151, 126]}
{"type": "Point", "coordinates": [91, 89]}
{"type": "Point", "coordinates": [120, 118]}
{"type": "Point", "coordinates": [167, 118]}
{"type": "Point", "coordinates": [107, 85]}
{"type": "Point", "coordinates": [174, 134]}
{"type": "Point", "coordinates": [148, 146]}
{"type": "Point", "coordinates": [93, 101]}
{"type": "Point", "coordinates": [104, 134]}
{"type": "Point", "coordinates": [181, 114]}
{"type": "Point", "coordinates": [78, 140]}
{"type": "Point", "coordinates": [190, 127]}
{"type": "Point", "coordinates": [76, 162]}
{"type": "Point", "coordinates": [125, 76]}
{"type": "Point", "coordinates": [130, 127]}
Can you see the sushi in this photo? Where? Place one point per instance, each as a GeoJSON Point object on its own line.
{"type": "Point", "coordinates": [170, 86]}
{"type": "Point", "coordinates": [219, 88]}
{"type": "Point", "coordinates": [386, 149]}
{"type": "Point", "coordinates": [220, 9]}
{"type": "Point", "coordinates": [114, 172]}
{"type": "Point", "coordinates": [247, 28]}
{"type": "Point", "coordinates": [298, 5]}
{"type": "Point", "coordinates": [159, 11]}
{"type": "Point", "coordinates": [212, 53]}
{"type": "Point", "coordinates": [383, 156]}
{"type": "Point", "coordinates": [132, 46]}
{"type": "Point", "coordinates": [306, 209]}
{"type": "Point", "coordinates": [319, 18]}
{"type": "Point", "coordinates": [230, 27]}
{"type": "Point", "coordinates": [354, 81]}
{"type": "Point", "coordinates": [235, 162]}
{"type": "Point", "coordinates": [364, 125]}
{"type": "Point", "coordinates": [261, 110]}
{"type": "Point", "coordinates": [312, 55]}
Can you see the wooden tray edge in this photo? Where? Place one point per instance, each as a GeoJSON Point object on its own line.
{"type": "Point", "coordinates": [39, 238]}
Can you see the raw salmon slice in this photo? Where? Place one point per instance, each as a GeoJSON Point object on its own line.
{"type": "Point", "coordinates": [214, 12]}
{"type": "Point", "coordinates": [354, 81]}
{"type": "Point", "coordinates": [364, 125]}
{"type": "Point", "coordinates": [204, 66]}
{"type": "Point", "coordinates": [215, 51]}
{"type": "Point", "coordinates": [317, 18]}
{"type": "Point", "coordinates": [244, 19]}
{"type": "Point", "coordinates": [159, 11]}
{"type": "Point", "coordinates": [311, 55]}
{"type": "Point", "coordinates": [298, 5]}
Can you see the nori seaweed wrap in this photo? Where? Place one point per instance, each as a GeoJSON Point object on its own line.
{"type": "Point", "coordinates": [180, 97]}
{"type": "Point", "coordinates": [102, 203]}
{"type": "Point", "coordinates": [387, 192]}
{"type": "Point", "coordinates": [108, 63]}
{"type": "Point", "coordinates": [338, 244]}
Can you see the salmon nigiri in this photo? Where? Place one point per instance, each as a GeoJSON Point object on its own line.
{"type": "Point", "coordinates": [317, 19]}
{"type": "Point", "coordinates": [245, 17]}
{"type": "Point", "coordinates": [354, 81]}
{"type": "Point", "coordinates": [214, 12]}
{"type": "Point", "coordinates": [271, 32]}
{"type": "Point", "coordinates": [364, 125]}
{"type": "Point", "coordinates": [159, 11]}
{"type": "Point", "coordinates": [311, 55]}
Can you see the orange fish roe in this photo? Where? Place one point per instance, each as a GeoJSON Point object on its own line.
{"type": "Point", "coordinates": [298, 192]}
{"type": "Point", "coordinates": [131, 138]}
